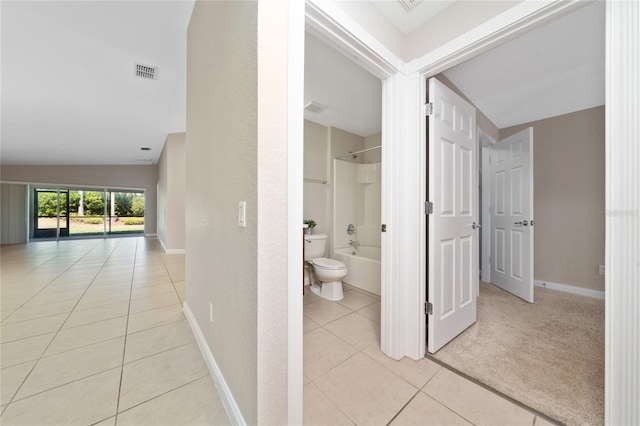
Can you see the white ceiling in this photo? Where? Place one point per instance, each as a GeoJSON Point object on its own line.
{"type": "Point", "coordinates": [553, 70]}
{"type": "Point", "coordinates": [556, 69]}
{"type": "Point", "coordinates": [409, 20]}
{"type": "Point", "coordinates": [69, 95]}
{"type": "Point", "coordinates": [353, 96]}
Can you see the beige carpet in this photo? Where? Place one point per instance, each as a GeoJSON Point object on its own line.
{"type": "Point", "coordinates": [549, 355]}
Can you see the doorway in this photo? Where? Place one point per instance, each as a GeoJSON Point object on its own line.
{"type": "Point", "coordinates": [78, 212]}
{"type": "Point", "coordinates": [51, 213]}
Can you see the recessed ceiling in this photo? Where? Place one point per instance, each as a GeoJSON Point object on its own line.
{"type": "Point", "coordinates": [69, 90]}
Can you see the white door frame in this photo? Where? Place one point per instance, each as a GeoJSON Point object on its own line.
{"type": "Point", "coordinates": [484, 143]}
{"type": "Point", "coordinates": [403, 270]}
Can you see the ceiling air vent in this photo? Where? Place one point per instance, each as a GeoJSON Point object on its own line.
{"type": "Point", "coordinates": [410, 4]}
{"type": "Point", "coordinates": [145, 71]}
{"type": "Point", "coordinates": [314, 107]}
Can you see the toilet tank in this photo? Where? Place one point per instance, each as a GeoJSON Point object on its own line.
{"type": "Point", "coordinates": [314, 246]}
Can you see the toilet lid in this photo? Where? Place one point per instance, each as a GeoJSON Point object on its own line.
{"type": "Point", "coordinates": [323, 262]}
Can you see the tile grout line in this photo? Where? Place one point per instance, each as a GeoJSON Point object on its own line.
{"type": "Point", "coordinates": [403, 407]}
{"type": "Point", "coordinates": [58, 276]}
{"type": "Point", "coordinates": [98, 372]}
{"type": "Point", "coordinates": [64, 384]}
{"type": "Point", "coordinates": [164, 393]}
{"type": "Point", "coordinates": [126, 330]}
{"type": "Point", "coordinates": [329, 398]}
{"type": "Point", "coordinates": [36, 267]}
{"type": "Point", "coordinates": [496, 392]}
{"type": "Point", "coordinates": [60, 328]}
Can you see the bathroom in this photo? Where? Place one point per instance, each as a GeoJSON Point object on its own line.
{"type": "Point", "coordinates": [342, 168]}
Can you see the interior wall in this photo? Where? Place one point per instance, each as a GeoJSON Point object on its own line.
{"type": "Point", "coordinates": [569, 197]}
{"type": "Point", "coordinates": [171, 193]}
{"type": "Point", "coordinates": [317, 167]}
{"type": "Point", "coordinates": [374, 156]}
{"type": "Point", "coordinates": [238, 150]}
{"type": "Point", "coordinates": [482, 120]}
{"type": "Point", "coordinates": [98, 176]}
{"type": "Point", "coordinates": [13, 213]}
{"type": "Point", "coordinates": [369, 198]}
{"type": "Point", "coordinates": [345, 202]}
{"type": "Point", "coordinates": [341, 142]}
{"type": "Point", "coordinates": [221, 268]}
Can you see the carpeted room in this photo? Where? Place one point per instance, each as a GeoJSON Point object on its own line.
{"type": "Point", "coordinates": [549, 355]}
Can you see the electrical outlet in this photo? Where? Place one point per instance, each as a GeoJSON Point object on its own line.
{"type": "Point", "coordinates": [601, 269]}
{"type": "Point", "coordinates": [210, 312]}
{"type": "Point", "coordinates": [242, 213]}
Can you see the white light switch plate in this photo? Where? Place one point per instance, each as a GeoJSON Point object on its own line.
{"type": "Point", "coordinates": [242, 214]}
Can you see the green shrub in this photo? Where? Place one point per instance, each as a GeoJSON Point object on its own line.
{"type": "Point", "coordinates": [88, 220]}
{"type": "Point", "coordinates": [132, 220]}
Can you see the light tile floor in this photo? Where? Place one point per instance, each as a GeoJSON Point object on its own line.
{"type": "Point", "coordinates": [93, 333]}
{"type": "Point", "coordinates": [348, 380]}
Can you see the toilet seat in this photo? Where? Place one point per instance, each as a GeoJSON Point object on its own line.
{"type": "Point", "coordinates": [331, 264]}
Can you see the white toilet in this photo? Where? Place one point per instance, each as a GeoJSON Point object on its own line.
{"type": "Point", "coordinates": [328, 271]}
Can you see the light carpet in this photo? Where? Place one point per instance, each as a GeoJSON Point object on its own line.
{"type": "Point", "coordinates": [549, 355]}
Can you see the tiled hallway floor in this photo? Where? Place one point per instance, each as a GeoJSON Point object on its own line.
{"type": "Point", "coordinates": [348, 380]}
{"type": "Point", "coordinates": [93, 333]}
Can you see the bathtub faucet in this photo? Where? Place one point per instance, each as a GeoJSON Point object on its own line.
{"type": "Point", "coordinates": [354, 243]}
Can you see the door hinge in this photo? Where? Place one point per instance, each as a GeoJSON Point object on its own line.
{"type": "Point", "coordinates": [428, 308]}
{"type": "Point", "coordinates": [428, 207]}
{"type": "Point", "coordinates": [428, 108]}
{"type": "Point", "coordinates": [384, 227]}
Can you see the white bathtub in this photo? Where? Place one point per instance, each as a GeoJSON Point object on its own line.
{"type": "Point", "coordinates": [363, 267]}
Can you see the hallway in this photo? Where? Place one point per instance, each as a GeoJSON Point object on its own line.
{"type": "Point", "coordinates": [93, 333]}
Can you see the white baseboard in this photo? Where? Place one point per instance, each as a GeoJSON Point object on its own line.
{"type": "Point", "coordinates": [151, 235]}
{"type": "Point", "coordinates": [175, 251]}
{"type": "Point", "coordinates": [171, 251]}
{"type": "Point", "coordinates": [230, 406]}
{"type": "Point", "coordinates": [570, 289]}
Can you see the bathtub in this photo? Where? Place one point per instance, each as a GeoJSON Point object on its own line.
{"type": "Point", "coordinates": [363, 267]}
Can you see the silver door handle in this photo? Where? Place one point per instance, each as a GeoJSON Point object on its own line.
{"type": "Point", "coordinates": [475, 225]}
{"type": "Point", "coordinates": [524, 222]}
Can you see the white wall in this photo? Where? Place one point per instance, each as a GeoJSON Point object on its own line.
{"type": "Point", "coordinates": [345, 203]}
{"type": "Point", "coordinates": [13, 213]}
{"type": "Point", "coordinates": [138, 177]}
{"type": "Point", "coordinates": [171, 194]}
{"type": "Point", "coordinates": [221, 268]}
{"type": "Point", "coordinates": [371, 141]}
{"type": "Point", "coordinates": [569, 197]}
{"type": "Point", "coordinates": [317, 167]}
{"type": "Point", "coordinates": [237, 88]}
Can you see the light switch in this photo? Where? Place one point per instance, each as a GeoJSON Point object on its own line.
{"type": "Point", "coordinates": [242, 209]}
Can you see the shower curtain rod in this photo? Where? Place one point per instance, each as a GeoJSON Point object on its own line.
{"type": "Point", "coordinates": [357, 152]}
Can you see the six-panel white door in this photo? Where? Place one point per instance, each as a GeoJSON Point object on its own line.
{"type": "Point", "coordinates": [452, 240]}
{"type": "Point", "coordinates": [512, 214]}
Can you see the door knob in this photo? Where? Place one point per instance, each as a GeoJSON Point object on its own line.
{"type": "Point", "coordinates": [524, 223]}
{"type": "Point", "coordinates": [475, 225]}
